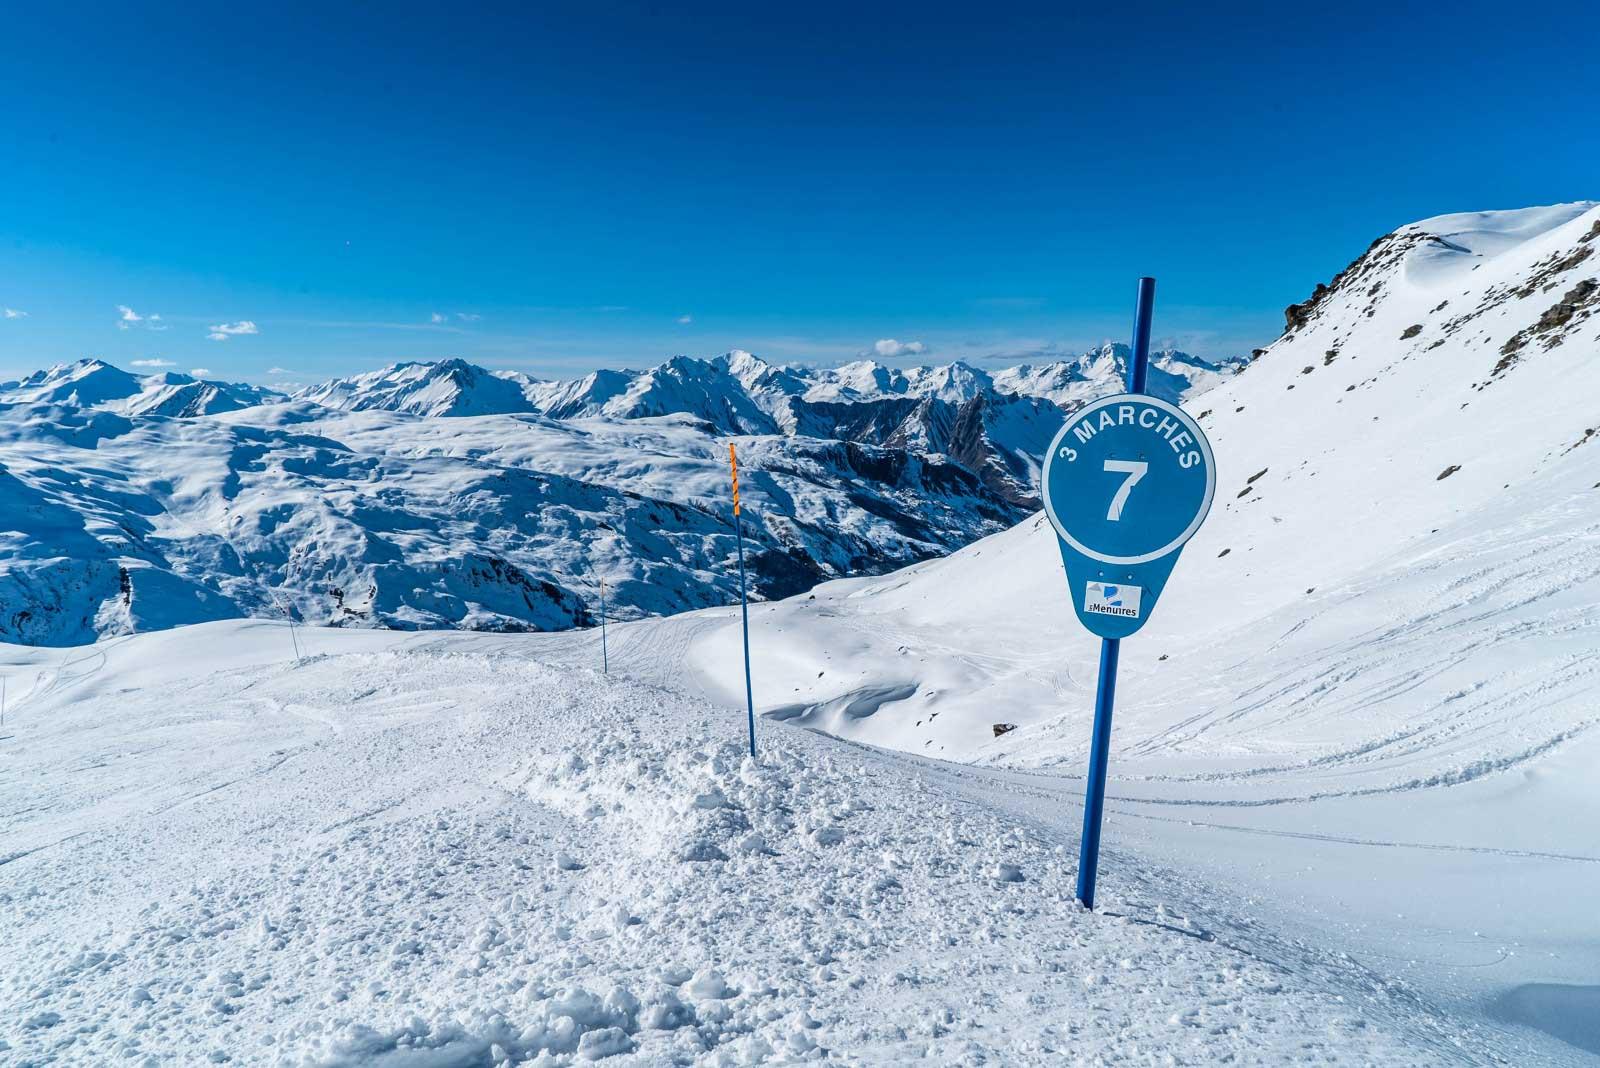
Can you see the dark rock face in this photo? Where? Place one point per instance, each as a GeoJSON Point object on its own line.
{"type": "Point", "coordinates": [1576, 304]}
{"type": "Point", "coordinates": [1297, 315]}
{"type": "Point", "coordinates": [1378, 256]}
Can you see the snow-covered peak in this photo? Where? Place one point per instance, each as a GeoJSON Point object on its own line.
{"type": "Point", "coordinates": [182, 396]}
{"type": "Point", "coordinates": [1490, 232]}
{"type": "Point", "coordinates": [447, 388]}
{"type": "Point", "coordinates": [83, 383]}
{"type": "Point", "coordinates": [1072, 382]}
{"type": "Point", "coordinates": [1434, 277]}
{"type": "Point", "coordinates": [703, 389]}
{"type": "Point", "coordinates": [758, 377]}
{"type": "Point", "coordinates": [580, 397]}
{"type": "Point", "coordinates": [954, 382]}
{"type": "Point", "coordinates": [1445, 247]}
{"type": "Point", "coordinates": [95, 384]}
{"type": "Point", "coordinates": [861, 380]}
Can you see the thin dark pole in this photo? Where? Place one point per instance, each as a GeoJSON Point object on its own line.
{"type": "Point", "coordinates": [744, 609]}
{"type": "Point", "coordinates": [605, 658]}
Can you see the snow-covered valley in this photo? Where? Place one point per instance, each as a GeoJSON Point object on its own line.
{"type": "Point", "coordinates": [1353, 812]}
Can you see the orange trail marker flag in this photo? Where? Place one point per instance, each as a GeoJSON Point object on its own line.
{"type": "Point", "coordinates": [744, 602]}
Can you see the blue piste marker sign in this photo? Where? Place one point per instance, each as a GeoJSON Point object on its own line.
{"type": "Point", "coordinates": [1127, 481]}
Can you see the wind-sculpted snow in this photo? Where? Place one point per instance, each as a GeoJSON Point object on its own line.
{"type": "Point", "coordinates": [413, 851]}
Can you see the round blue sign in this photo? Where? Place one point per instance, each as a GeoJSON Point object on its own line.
{"type": "Point", "coordinates": [1128, 479]}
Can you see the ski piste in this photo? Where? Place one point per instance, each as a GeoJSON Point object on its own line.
{"type": "Point", "coordinates": [1343, 812]}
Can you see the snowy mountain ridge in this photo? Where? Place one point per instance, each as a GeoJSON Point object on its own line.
{"type": "Point", "coordinates": [437, 494]}
{"type": "Point", "coordinates": [382, 501]}
{"type": "Point", "coordinates": [739, 393]}
{"type": "Point", "coordinates": [93, 383]}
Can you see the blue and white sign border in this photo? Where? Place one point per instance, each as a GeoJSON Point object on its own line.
{"type": "Point", "coordinates": [1195, 432]}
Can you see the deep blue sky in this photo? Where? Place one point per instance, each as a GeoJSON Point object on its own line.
{"type": "Point", "coordinates": [800, 181]}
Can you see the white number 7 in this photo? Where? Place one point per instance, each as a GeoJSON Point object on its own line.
{"type": "Point", "coordinates": [1135, 470]}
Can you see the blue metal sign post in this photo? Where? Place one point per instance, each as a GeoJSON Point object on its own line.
{"type": "Point", "coordinates": [1127, 481]}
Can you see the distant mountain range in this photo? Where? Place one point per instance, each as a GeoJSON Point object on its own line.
{"type": "Point", "coordinates": [445, 494]}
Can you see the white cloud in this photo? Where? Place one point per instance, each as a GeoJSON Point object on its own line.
{"type": "Point", "coordinates": [468, 317]}
{"type": "Point", "coordinates": [223, 331]}
{"type": "Point", "coordinates": [12, 313]}
{"type": "Point", "coordinates": [127, 319]}
{"type": "Point", "coordinates": [889, 348]}
{"type": "Point", "coordinates": [199, 372]}
{"type": "Point", "coordinates": [281, 371]}
{"type": "Point", "coordinates": [435, 318]}
{"type": "Point", "coordinates": [685, 320]}
{"type": "Point", "coordinates": [154, 361]}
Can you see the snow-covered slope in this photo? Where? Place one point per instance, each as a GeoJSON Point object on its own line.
{"type": "Point", "coordinates": [430, 851]}
{"type": "Point", "coordinates": [1423, 426]}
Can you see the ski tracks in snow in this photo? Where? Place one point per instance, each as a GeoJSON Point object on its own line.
{"type": "Point", "coordinates": [496, 861]}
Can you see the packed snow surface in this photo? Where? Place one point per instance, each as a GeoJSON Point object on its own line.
{"type": "Point", "coordinates": [441, 850]}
